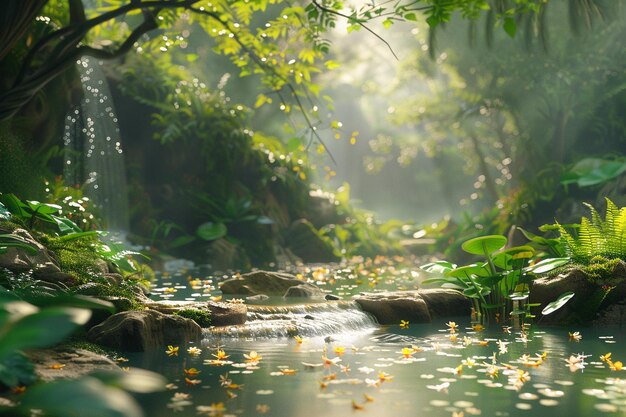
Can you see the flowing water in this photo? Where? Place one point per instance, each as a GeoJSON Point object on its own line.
{"type": "Point", "coordinates": [94, 157]}
{"type": "Point", "coordinates": [342, 363]}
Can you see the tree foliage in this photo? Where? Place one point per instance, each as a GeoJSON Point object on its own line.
{"type": "Point", "coordinates": [285, 43]}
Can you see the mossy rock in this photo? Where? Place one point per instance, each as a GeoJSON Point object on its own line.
{"type": "Point", "coordinates": [308, 244]}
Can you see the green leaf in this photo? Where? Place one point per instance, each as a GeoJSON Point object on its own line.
{"type": "Point", "coordinates": [467, 270]}
{"type": "Point", "coordinates": [558, 303]}
{"type": "Point", "coordinates": [484, 245]}
{"type": "Point", "coordinates": [16, 241]}
{"type": "Point", "coordinates": [518, 296]}
{"type": "Point", "coordinates": [438, 267]}
{"type": "Point", "coordinates": [44, 328]}
{"type": "Point", "coordinates": [86, 396]}
{"type": "Point", "coordinates": [75, 301]}
{"type": "Point", "coordinates": [134, 380]}
{"type": "Point", "coordinates": [410, 16]}
{"type": "Point", "coordinates": [593, 171]}
{"type": "Point", "coordinates": [264, 220]}
{"type": "Point", "coordinates": [510, 27]}
{"type": "Point", "coordinates": [432, 21]}
{"type": "Point", "coordinates": [15, 205]}
{"type": "Point", "coordinates": [387, 23]}
{"type": "Point", "coordinates": [547, 265]}
{"type": "Point", "coordinates": [182, 241]}
{"type": "Point", "coordinates": [16, 369]}
{"type": "Point", "coordinates": [211, 231]}
{"type": "Point", "coordinates": [507, 257]}
{"type": "Point", "coordinates": [4, 213]}
{"type": "Point", "coordinates": [429, 281]}
{"type": "Point", "coordinates": [66, 226]}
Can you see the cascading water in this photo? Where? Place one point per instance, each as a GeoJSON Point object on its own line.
{"type": "Point", "coordinates": [93, 148]}
{"type": "Point", "coordinates": [321, 319]}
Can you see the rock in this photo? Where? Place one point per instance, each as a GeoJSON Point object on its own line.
{"type": "Point", "coordinates": [590, 302]}
{"type": "Point", "coordinates": [257, 298]}
{"type": "Point", "coordinates": [309, 317]}
{"type": "Point", "coordinates": [331, 297]}
{"type": "Point", "coordinates": [226, 314]}
{"type": "Point", "coordinates": [138, 331]}
{"type": "Point", "coordinates": [306, 243]}
{"type": "Point", "coordinates": [321, 209]}
{"type": "Point", "coordinates": [261, 282]}
{"type": "Point", "coordinates": [443, 303]}
{"type": "Point", "coordinates": [77, 362]}
{"type": "Point", "coordinates": [391, 307]}
{"type": "Point", "coordinates": [304, 290]}
{"type": "Point", "coordinates": [19, 260]}
{"type": "Point", "coordinates": [222, 314]}
{"type": "Point", "coordinates": [419, 306]}
{"type": "Point", "coordinates": [62, 278]}
{"type": "Point", "coordinates": [548, 289]}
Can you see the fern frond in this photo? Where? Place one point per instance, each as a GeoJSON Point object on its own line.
{"type": "Point", "coordinates": [570, 243]}
{"type": "Point", "coordinates": [596, 219]}
{"type": "Point", "coordinates": [619, 237]}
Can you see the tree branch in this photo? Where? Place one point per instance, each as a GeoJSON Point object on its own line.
{"type": "Point", "coordinates": [360, 23]}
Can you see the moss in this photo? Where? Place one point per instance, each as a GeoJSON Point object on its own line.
{"type": "Point", "coordinates": [10, 226]}
{"type": "Point", "coordinates": [79, 258]}
{"type": "Point", "coordinates": [202, 317]}
{"type": "Point", "coordinates": [601, 269]}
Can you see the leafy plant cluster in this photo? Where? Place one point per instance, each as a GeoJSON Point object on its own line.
{"type": "Point", "coordinates": [44, 322]}
{"type": "Point", "coordinates": [596, 236]}
{"type": "Point", "coordinates": [499, 286]}
{"type": "Point", "coordinates": [83, 254]}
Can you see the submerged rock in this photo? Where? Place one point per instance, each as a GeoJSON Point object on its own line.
{"type": "Point", "coordinates": [262, 282]}
{"type": "Point", "coordinates": [419, 306]}
{"type": "Point", "coordinates": [304, 290]}
{"type": "Point", "coordinates": [331, 297]}
{"type": "Point", "coordinates": [137, 331]}
{"type": "Point", "coordinates": [257, 298]}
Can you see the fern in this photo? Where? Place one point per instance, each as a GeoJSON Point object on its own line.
{"type": "Point", "coordinates": [596, 236]}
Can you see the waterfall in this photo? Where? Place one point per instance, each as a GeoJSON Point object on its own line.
{"type": "Point", "coordinates": [322, 319]}
{"type": "Point", "coordinates": [93, 148]}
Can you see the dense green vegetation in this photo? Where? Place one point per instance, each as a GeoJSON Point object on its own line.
{"type": "Point", "coordinates": [228, 116]}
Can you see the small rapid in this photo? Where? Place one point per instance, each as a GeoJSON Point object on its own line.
{"type": "Point", "coordinates": [321, 319]}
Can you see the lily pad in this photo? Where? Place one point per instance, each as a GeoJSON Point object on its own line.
{"type": "Point", "coordinates": [484, 245]}
{"type": "Point", "coordinates": [558, 303]}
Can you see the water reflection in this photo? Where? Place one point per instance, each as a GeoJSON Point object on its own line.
{"type": "Point", "coordinates": [397, 372]}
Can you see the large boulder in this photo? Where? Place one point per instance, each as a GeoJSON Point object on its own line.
{"type": "Point", "coordinates": [444, 303]}
{"type": "Point", "coordinates": [138, 331]}
{"type": "Point", "coordinates": [222, 314]}
{"type": "Point", "coordinates": [420, 306]}
{"type": "Point", "coordinates": [308, 244]}
{"type": "Point", "coordinates": [262, 282]}
{"type": "Point", "coordinates": [591, 301]}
